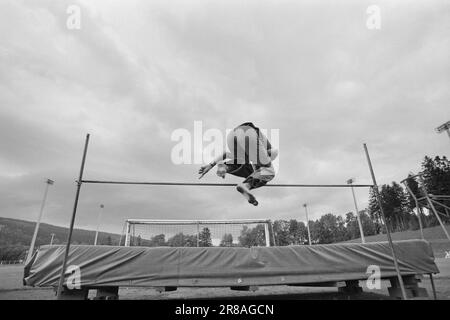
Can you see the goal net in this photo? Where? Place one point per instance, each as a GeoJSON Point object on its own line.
{"type": "Point", "coordinates": [197, 233]}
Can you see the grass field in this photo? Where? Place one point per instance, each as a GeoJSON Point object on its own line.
{"type": "Point", "coordinates": [11, 288]}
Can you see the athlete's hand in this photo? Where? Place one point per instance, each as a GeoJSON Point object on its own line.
{"type": "Point", "coordinates": [204, 170]}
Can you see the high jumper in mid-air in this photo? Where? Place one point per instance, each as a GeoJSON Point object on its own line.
{"type": "Point", "coordinates": [250, 156]}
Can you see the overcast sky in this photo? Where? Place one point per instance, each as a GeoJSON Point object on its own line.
{"type": "Point", "coordinates": [138, 70]}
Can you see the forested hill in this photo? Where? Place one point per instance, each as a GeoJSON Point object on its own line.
{"type": "Point", "coordinates": [15, 232]}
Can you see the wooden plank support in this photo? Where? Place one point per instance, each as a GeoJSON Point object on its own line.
{"type": "Point", "coordinates": [412, 288]}
{"type": "Point", "coordinates": [244, 288]}
{"type": "Point", "coordinates": [165, 289]}
{"type": "Point", "coordinates": [107, 293]}
{"type": "Point", "coordinates": [351, 287]}
{"type": "Point", "coordinates": [73, 294]}
{"type": "Point", "coordinates": [318, 284]}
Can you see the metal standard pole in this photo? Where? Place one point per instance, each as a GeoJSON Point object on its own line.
{"type": "Point", "coordinates": [430, 203]}
{"type": "Point", "coordinates": [72, 221]}
{"type": "Point", "coordinates": [363, 240]}
{"type": "Point", "coordinates": [198, 234]}
{"type": "Point", "coordinates": [36, 228]}
{"type": "Point", "coordinates": [98, 223]}
{"type": "Point", "coordinates": [435, 202]}
{"type": "Point", "coordinates": [440, 204]}
{"type": "Point", "coordinates": [433, 287]}
{"type": "Point", "coordinates": [419, 211]}
{"type": "Point", "coordinates": [307, 223]}
{"type": "Point", "coordinates": [391, 244]}
{"type": "Point", "coordinates": [51, 240]}
{"type": "Point", "coordinates": [273, 234]}
{"type": "Point", "coordinates": [417, 206]}
{"type": "Point", "coordinates": [267, 234]}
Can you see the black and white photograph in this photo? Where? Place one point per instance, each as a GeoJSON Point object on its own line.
{"type": "Point", "coordinates": [219, 158]}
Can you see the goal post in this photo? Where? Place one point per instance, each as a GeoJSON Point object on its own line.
{"type": "Point", "coordinates": [198, 233]}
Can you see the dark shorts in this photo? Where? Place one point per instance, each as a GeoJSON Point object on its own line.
{"type": "Point", "coordinates": [255, 177]}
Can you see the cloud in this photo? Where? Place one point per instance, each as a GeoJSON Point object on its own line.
{"type": "Point", "coordinates": [139, 70]}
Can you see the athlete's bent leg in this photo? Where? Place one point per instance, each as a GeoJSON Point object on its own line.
{"type": "Point", "coordinates": [244, 189]}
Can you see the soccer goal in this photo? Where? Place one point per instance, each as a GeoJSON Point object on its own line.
{"type": "Point", "coordinates": [197, 233]}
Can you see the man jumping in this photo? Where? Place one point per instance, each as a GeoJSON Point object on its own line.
{"type": "Point", "coordinates": [250, 157]}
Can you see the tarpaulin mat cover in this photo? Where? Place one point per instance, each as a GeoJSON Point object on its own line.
{"type": "Point", "coordinates": [226, 266]}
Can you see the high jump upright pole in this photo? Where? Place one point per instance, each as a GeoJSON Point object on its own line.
{"type": "Point", "coordinates": [72, 221]}
{"type": "Point", "coordinates": [419, 210]}
{"type": "Point", "coordinates": [430, 203]}
{"type": "Point", "coordinates": [391, 244]}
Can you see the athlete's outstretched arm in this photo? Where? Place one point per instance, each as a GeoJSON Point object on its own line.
{"type": "Point", "coordinates": [204, 169]}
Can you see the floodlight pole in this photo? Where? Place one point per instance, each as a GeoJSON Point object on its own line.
{"type": "Point", "coordinates": [307, 224]}
{"type": "Point", "coordinates": [266, 231]}
{"type": "Point", "coordinates": [350, 182]}
{"type": "Point", "coordinates": [444, 127]}
{"type": "Point", "coordinates": [391, 244]}
{"type": "Point", "coordinates": [198, 234]}
{"type": "Point", "coordinates": [72, 221]}
{"type": "Point", "coordinates": [98, 223]}
{"type": "Point", "coordinates": [51, 240]}
{"type": "Point", "coordinates": [48, 183]}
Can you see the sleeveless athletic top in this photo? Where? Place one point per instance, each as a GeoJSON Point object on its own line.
{"type": "Point", "coordinates": [261, 137]}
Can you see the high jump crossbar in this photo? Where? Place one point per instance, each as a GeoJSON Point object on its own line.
{"type": "Point", "coordinates": [200, 184]}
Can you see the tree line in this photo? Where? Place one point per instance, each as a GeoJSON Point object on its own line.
{"type": "Point", "coordinates": [398, 205]}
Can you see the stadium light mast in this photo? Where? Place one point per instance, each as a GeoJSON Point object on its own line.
{"type": "Point", "coordinates": [49, 182]}
{"type": "Point", "coordinates": [350, 182]}
{"type": "Point", "coordinates": [98, 223]}
{"type": "Point", "coordinates": [307, 223]}
{"type": "Point", "coordinates": [444, 127]}
{"type": "Point", "coordinates": [53, 237]}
